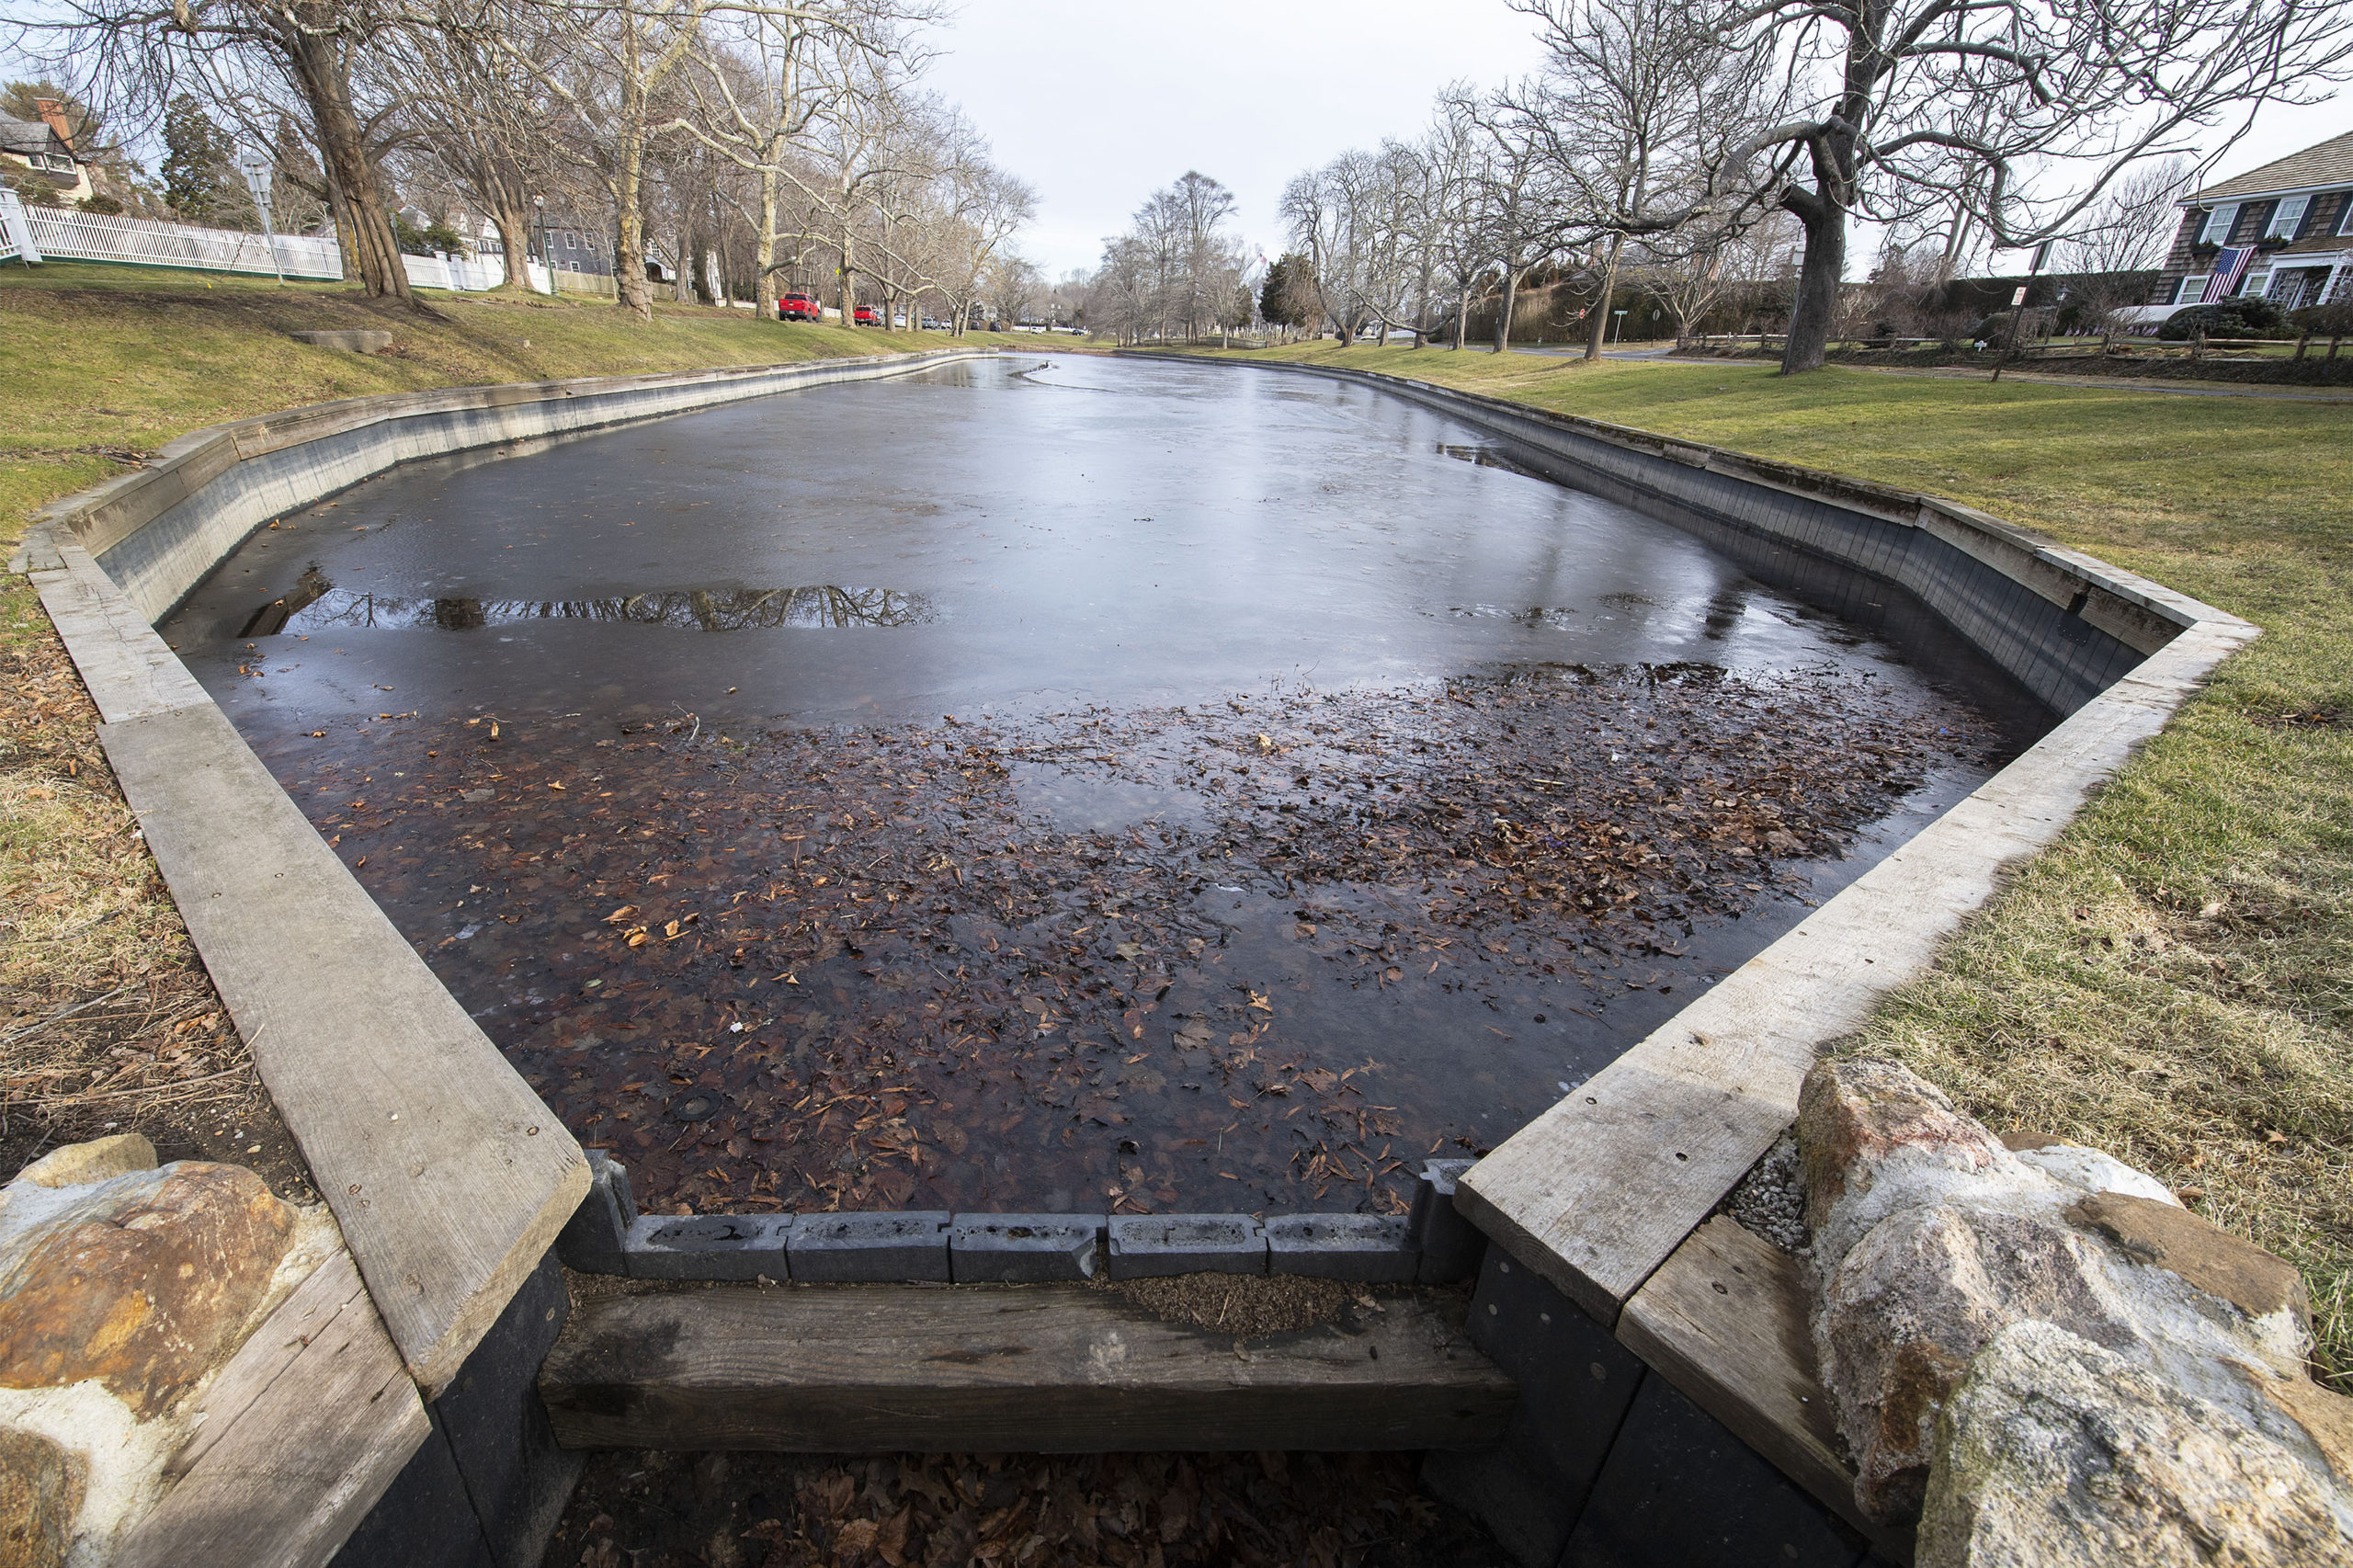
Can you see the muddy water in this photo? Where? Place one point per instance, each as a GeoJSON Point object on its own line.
{"type": "Point", "coordinates": [1065, 784]}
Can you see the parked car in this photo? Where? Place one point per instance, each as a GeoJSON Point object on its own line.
{"type": "Point", "coordinates": [800, 307]}
{"type": "Point", "coordinates": [864, 316]}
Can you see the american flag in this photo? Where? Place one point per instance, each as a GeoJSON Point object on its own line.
{"type": "Point", "coordinates": [2230, 265]}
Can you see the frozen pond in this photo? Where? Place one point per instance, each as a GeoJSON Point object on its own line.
{"type": "Point", "coordinates": [1065, 782]}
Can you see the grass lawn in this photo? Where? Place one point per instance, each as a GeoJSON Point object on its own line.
{"type": "Point", "coordinates": [102, 364]}
{"type": "Point", "coordinates": [2173, 981]}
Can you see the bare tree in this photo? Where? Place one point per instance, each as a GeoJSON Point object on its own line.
{"type": "Point", "coordinates": [1456, 155]}
{"type": "Point", "coordinates": [617, 61]}
{"type": "Point", "coordinates": [261, 58]}
{"type": "Point", "coordinates": [464, 101]}
{"type": "Point", "coordinates": [2019, 113]}
{"type": "Point", "coordinates": [1638, 102]}
{"type": "Point", "coordinates": [1523, 217]}
{"type": "Point", "coordinates": [2111, 258]}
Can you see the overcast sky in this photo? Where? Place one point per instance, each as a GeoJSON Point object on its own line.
{"type": "Point", "coordinates": [1098, 103]}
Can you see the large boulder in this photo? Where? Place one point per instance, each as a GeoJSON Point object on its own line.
{"type": "Point", "coordinates": [2056, 1451]}
{"type": "Point", "coordinates": [1932, 1237]}
{"type": "Point", "coordinates": [142, 1282]}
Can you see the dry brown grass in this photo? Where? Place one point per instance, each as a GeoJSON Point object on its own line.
{"type": "Point", "coordinates": [107, 1021]}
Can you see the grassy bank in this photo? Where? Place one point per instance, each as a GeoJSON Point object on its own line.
{"type": "Point", "coordinates": [2173, 981]}
{"type": "Point", "coordinates": [102, 364]}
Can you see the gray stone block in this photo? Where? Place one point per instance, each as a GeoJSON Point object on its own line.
{"type": "Point", "coordinates": [1150, 1247]}
{"type": "Point", "coordinates": [1022, 1249]}
{"type": "Point", "coordinates": [1450, 1245]}
{"type": "Point", "coordinates": [595, 1239]}
{"type": "Point", "coordinates": [710, 1246]}
{"type": "Point", "coordinates": [351, 340]}
{"type": "Point", "coordinates": [870, 1248]}
{"type": "Point", "coordinates": [1374, 1248]}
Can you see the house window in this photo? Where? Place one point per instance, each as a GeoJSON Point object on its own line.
{"type": "Point", "coordinates": [2345, 218]}
{"type": "Point", "coordinates": [2218, 225]}
{"type": "Point", "coordinates": [2192, 290]}
{"type": "Point", "coordinates": [2287, 217]}
{"type": "Point", "coordinates": [571, 240]}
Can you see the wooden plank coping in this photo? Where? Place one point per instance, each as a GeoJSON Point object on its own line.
{"type": "Point", "coordinates": [1725, 1321]}
{"type": "Point", "coordinates": [448, 1176]}
{"type": "Point", "coordinates": [298, 1436]}
{"type": "Point", "coordinates": [1038, 1368]}
{"type": "Point", "coordinates": [1599, 1190]}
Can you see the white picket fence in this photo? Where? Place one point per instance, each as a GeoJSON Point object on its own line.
{"type": "Point", "coordinates": [65, 233]}
{"type": "Point", "coordinates": [69, 233]}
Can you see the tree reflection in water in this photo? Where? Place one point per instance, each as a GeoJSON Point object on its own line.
{"type": "Point", "coordinates": [317, 605]}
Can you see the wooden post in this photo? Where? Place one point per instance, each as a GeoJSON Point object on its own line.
{"type": "Point", "coordinates": [2197, 345]}
{"type": "Point", "coordinates": [2306, 338]}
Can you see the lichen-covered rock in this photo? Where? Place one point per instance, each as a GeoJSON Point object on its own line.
{"type": "Point", "coordinates": [2088, 1170]}
{"type": "Point", "coordinates": [40, 1493]}
{"type": "Point", "coordinates": [142, 1282]}
{"type": "Point", "coordinates": [1911, 1306]}
{"type": "Point", "coordinates": [2056, 1451]}
{"type": "Point", "coordinates": [1931, 1237]}
{"type": "Point", "coordinates": [1865, 1126]}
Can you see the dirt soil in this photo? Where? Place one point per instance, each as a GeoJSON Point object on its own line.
{"type": "Point", "coordinates": [751, 1510]}
{"type": "Point", "coordinates": [107, 1021]}
{"type": "Point", "coordinates": [1310, 938]}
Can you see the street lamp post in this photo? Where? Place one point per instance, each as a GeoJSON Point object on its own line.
{"type": "Point", "coordinates": [256, 169]}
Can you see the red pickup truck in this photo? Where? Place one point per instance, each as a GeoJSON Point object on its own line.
{"type": "Point", "coordinates": [800, 307]}
{"type": "Point", "coordinates": [864, 316]}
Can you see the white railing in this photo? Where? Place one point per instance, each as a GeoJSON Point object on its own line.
{"type": "Point", "coordinates": [39, 233]}
{"type": "Point", "coordinates": [69, 234]}
{"type": "Point", "coordinates": [472, 274]}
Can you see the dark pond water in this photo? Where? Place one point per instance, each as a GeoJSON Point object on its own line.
{"type": "Point", "coordinates": [1066, 783]}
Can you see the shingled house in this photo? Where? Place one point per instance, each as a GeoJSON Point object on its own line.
{"type": "Point", "coordinates": [2283, 232]}
{"type": "Point", "coordinates": [43, 151]}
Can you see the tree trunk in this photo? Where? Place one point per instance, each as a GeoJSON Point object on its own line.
{"type": "Point", "coordinates": [1597, 334]}
{"type": "Point", "coordinates": [515, 235]}
{"type": "Point", "coordinates": [326, 83]}
{"type": "Point", "coordinates": [629, 292]}
{"type": "Point", "coordinates": [1504, 310]}
{"type": "Point", "coordinates": [1822, 211]}
{"type": "Point", "coordinates": [842, 283]}
{"type": "Point", "coordinates": [1463, 316]}
{"type": "Point", "coordinates": [764, 251]}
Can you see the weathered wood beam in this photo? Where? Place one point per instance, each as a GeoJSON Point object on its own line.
{"type": "Point", "coordinates": [1048, 1369]}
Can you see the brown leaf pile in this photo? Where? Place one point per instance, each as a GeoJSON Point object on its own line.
{"type": "Point", "coordinates": [655, 1510]}
{"type": "Point", "coordinates": [864, 968]}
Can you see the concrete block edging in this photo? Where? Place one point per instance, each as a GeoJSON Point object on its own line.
{"type": "Point", "coordinates": [606, 1234]}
